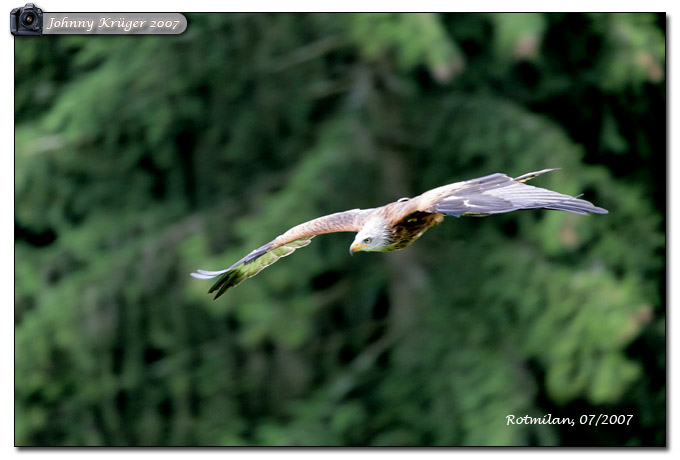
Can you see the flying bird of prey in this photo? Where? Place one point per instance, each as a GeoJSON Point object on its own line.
{"type": "Point", "coordinates": [396, 225]}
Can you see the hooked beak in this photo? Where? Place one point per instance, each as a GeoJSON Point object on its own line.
{"type": "Point", "coordinates": [356, 247]}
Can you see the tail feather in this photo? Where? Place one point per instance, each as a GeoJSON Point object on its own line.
{"type": "Point", "coordinates": [531, 175]}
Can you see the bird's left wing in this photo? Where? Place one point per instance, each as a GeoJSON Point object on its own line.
{"type": "Point", "coordinates": [283, 245]}
{"type": "Point", "coordinates": [498, 193]}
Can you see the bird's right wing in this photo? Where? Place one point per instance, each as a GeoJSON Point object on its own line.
{"type": "Point", "coordinates": [297, 237]}
{"type": "Point", "coordinates": [499, 193]}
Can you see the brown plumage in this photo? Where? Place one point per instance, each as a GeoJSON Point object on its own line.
{"type": "Point", "coordinates": [396, 225]}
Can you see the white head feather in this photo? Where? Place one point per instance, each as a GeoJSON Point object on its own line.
{"type": "Point", "coordinates": [371, 237]}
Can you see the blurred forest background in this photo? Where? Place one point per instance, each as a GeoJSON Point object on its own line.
{"type": "Point", "coordinates": [141, 158]}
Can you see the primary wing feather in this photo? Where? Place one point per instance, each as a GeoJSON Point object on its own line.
{"type": "Point", "coordinates": [498, 193]}
{"type": "Point", "coordinates": [297, 237]}
{"type": "Point", "coordinates": [244, 270]}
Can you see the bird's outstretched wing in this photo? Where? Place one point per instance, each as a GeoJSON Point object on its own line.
{"type": "Point", "coordinates": [498, 193]}
{"type": "Point", "coordinates": [283, 245]}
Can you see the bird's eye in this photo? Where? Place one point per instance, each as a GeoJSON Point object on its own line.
{"type": "Point", "coordinates": [367, 240]}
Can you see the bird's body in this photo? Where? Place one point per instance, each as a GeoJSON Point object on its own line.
{"type": "Point", "coordinates": [398, 224]}
{"type": "Point", "coordinates": [406, 230]}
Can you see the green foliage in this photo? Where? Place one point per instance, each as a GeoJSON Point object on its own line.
{"type": "Point", "coordinates": [518, 35]}
{"type": "Point", "coordinates": [635, 49]}
{"type": "Point", "coordinates": [140, 159]}
{"type": "Point", "coordinates": [414, 39]}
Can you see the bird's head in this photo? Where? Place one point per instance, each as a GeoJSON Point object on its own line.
{"type": "Point", "coordinates": [371, 238]}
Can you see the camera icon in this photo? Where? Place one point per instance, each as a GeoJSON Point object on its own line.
{"type": "Point", "coordinates": [26, 21]}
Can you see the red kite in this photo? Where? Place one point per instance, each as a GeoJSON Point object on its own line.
{"type": "Point", "coordinates": [396, 225]}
